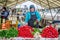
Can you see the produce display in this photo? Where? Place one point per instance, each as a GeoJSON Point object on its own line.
{"type": "Point", "coordinates": [35, 31]}
{"type": "Point", "coordinates": [12, 32]}
{"type": "Point", "coordinates": [25, 32]}
{"type": "Point", "coordinates": [4, 26]}
{"type": "Point", "coordinates": [3, 33]}
{"type": "Point", "coordinates": [28, 32]}
{"type": "Point", "coordinates": [8, 23]}
{"type": "Point", "coordinates": [49, 32]}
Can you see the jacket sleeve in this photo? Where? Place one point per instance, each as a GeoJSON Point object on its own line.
{"type": "Point", "coordinates": [27, 17]}
{"type": "Point", "coordinates": [5, 14]}
{"type": "Point", "coordinates": [38, 16]}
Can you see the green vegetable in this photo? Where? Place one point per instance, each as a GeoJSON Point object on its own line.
{"type": "Point", "coordinates": [12, 33]}
{"type": "Point", "coordinates": [35, 30]}
{"type": "Point", "coordinates": [34, 23]}
{"type": "Point", "coordinates": [3, 33]}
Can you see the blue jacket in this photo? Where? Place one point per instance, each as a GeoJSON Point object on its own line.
{"type": "Point", "coordinates": [5, 13]}
{"type": "Point", "coordinates": [28, 16]}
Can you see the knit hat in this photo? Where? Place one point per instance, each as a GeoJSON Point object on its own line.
{"type": "Point", "coordinates": [4, 8]}
{"type": "Point", "coordinates": [32, 6]}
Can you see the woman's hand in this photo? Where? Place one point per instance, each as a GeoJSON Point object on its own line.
{"type": "Point", "coordinates": [36, 21]}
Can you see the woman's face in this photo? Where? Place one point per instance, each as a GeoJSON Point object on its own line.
{"type": "Point", "coordinates": [3, 9]}
{"type": "Point", "coordinates": [32, 9]}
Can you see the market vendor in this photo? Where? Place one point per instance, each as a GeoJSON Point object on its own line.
{"type": "Point", "coordinates": [32, 17]}
{"type": "Point", "coordinates": [4, 14]}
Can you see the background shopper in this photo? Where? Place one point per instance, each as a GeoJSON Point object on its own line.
{"type": "Point", "coordinates": [4, 14]}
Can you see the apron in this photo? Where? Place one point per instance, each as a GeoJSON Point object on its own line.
{"type": "Point", "coordinates": [32, 20]}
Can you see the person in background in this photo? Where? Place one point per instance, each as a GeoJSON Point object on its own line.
{"type": "Point", "coordinates": [4, 14]}
{"type": "Point", "coordinates": [33, 17]}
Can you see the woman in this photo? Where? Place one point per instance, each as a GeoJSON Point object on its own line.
{"type": "Point", "coordinates": [32, 17]}
{"type": "Point", "coordinates": [4, 14]}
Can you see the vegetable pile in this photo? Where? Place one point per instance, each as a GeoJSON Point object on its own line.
{"type": "Point", "coordinates": [49, 32]}
{"type": "Point", "coordinates": [3, 33]}
{"type": "Point", "coordinates": [12, 32]}
{"type": "Point", "coordinates": [35, 31]}
{"type": "Point", "coordinates": [25, 31]}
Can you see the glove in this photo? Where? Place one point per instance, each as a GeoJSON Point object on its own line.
{"type": "Point", "coordinates": [36, 21]}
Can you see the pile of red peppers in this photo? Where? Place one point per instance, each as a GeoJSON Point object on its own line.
{"type": "Point", "coordinates": [49, 32]}
{"type": "Point", "coordinates": [25, 32]}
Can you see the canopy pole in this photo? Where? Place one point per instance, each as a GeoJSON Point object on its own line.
{"type": "Point", "coordinates": [50, 10]}
{"type": "Point", "coordinates": [42, 9]}
{"type": "Point", "coordinates": [55, 14]}
{"type": "Point", "coordinates": [16, 4]}
{"type": "Point", "coordinates": [5, 3]}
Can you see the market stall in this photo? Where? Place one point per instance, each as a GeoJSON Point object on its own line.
{"type": "Point", "coordinates": [15, 27]}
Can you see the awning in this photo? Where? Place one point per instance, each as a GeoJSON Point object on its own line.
{"type": "Point", "coordinates": [43, 3]}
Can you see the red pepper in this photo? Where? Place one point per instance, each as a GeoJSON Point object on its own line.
{"type": "Point", "coordinates": [25, 31]}
{"type": "Point", "coordinates": [49, 32]}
